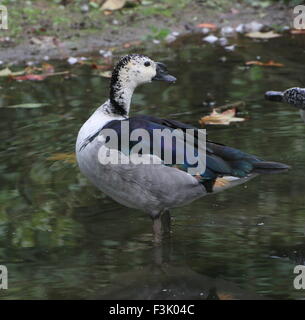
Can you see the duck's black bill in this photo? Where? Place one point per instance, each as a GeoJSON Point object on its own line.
{"type": "Point", "coordinates": [162, 74]}
{"type": "Point", "coordinates": [274, 96]}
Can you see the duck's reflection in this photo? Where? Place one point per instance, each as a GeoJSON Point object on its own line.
{"type": "Point", "coordinates": [161, 277]}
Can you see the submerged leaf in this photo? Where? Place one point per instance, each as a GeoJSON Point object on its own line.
{"type": "Point", "coordinates": [28, 105]}
{"type": "Point", "coordinates": [224, 118]}
{"type": "Point", "coordinates": [69, 157]}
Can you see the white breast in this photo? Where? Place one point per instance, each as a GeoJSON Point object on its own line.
{"type": "Point", "coordinates": [96, 122]}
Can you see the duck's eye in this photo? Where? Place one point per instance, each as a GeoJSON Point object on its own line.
{"type": "Point", "coordinates": [147, 64]}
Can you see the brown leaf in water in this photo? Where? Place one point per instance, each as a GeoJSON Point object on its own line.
{"type": "Point", "coordinates": [221, 118]}
{"type": "Point", "coordinates": [270, 63]}
{"type": "Point", "coordinates": [297, 31]}
{"type": "Point", "coordinates": [100, 67]}
{"type": "Point", "coordinates": [47, 68]}
{"type": "Point", "coordinates": [38, 77]}
{"type": "Point", "coordinates": [68, 157]}
{"type": "Point", "coordinates": [33, 77]}
{"type": "Point", "coordinates": [225, 296]}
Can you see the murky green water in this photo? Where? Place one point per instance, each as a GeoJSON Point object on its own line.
{"type": "Point", "coordinates": [61, 238]}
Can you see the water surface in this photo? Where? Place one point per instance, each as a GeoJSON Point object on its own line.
{"type": "Point", "coordinates": [61, 238]}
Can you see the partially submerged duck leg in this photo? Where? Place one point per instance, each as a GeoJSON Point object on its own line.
{"type": "Point", "coordinates": [161, 225]}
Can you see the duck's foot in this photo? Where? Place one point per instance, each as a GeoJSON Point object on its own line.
{"type": "Point", "coordinates": [161, 226]}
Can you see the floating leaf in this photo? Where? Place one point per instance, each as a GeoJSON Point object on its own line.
{"type": "Point", "coordinates": [34, 77]}
{"type": "Point", "coordinates": [47, 68]}
{"type": "Point", "coordinates": [297, 31]}
{"type": "Point", "coordinates": [263, 35]}
{"type": "Point", "coordinates": [101, 67]}
{"type": "Point", "coordinates": [270, 63]}
{"type": "Point", "coordinates": [68, 157]}
{"type": "Point", "coordinates": [7, 72]}
{"type": "Point", "coordinates": [28, 105]}
{"type": "Point", "coordinates": [38, 77]}
{"type": "Point", "coordinates": [111, 5]}
{"type": "Point", "coordinates": [210, 26]}
{"type": "Point", "coordinates": [105, 74]}
{"type": "Point", "coordinates": [224, 118]}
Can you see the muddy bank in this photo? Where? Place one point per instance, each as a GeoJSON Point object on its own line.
{"type": "Point", "coordinates": [125, 31]}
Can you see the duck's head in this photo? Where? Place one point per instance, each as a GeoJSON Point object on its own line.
{"type": "Point", "coordinates": [131, 71]}
{"type": "Point", "coordinates": [136, 69]}
{"type": "Point", "coordinates": [294, 96]}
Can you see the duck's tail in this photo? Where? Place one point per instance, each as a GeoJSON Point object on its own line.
{"type": "Point", "coordinates": [269, 167]}
{"type": "Point", "coordinates": [261, 167]}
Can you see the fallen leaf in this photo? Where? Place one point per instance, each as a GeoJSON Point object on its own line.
{"type": "Point", "coordinates": [297, 31]}
{"type": "Point", "coordinates": [31, 69]}
{"type": "Point", "coordinates": [47, 68]}
{"type": "Point", "coordinates": [28, 105]}
{"type": "Point", "coordinates": [68, 157]}
{"type": "Point", "coordinates": [105, 74]}
{"type": "Point", "coordinates": [7, 72]}
{"type": "Point", "coordinates": [210, 26]}
{"type": "Point", "coordinates": [107, 12]}
{"type": "Point", "coordinates": [33, 77]}
{"type": "Point", "coordinates": [263, 35]}
{"type": "Point", "coordinates": [237, 104]}
{"type": "Point", "coordinates": [270, 63]}
{"type": "Point", "coordinates": [100, 67]}
{"type": "Point", "coordinates": [111, 5]}
{"type": "Point", "coordinates": [218, 118]}
{"type": "Point", "coordinates": [131, 44]}
{"type": "Point", "coordinates": [38, 77]}
{"type": "Point", "coordinates": [225, 296]}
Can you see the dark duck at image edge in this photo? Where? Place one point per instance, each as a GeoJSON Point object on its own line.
{"type": "Point", "coordinates": [156, 188]}
{"type": "Point", "coordinates": [294, 96]}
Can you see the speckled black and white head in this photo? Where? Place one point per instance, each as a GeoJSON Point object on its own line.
{"type": "Point", "coordinates": [130, 72]}
{"type": "Point", "coordinates": [294, 96]}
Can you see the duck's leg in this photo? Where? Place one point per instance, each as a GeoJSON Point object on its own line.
{"type": "Point", "coordinates": [161, 225]}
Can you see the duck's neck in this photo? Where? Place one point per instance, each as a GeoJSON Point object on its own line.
{"type": "Point", "coordinates": [121, 91]}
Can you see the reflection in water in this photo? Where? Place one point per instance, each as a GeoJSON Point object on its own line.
{"type": "Point", "coordinates": [164, 280]}
{"type": "Point", "coordinates": [61, 238]}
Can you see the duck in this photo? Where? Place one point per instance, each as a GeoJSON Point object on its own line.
{"type": "Point", "coordinates": [155, 187]}
{"type": "Point", "coordinates": [294, 96]}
